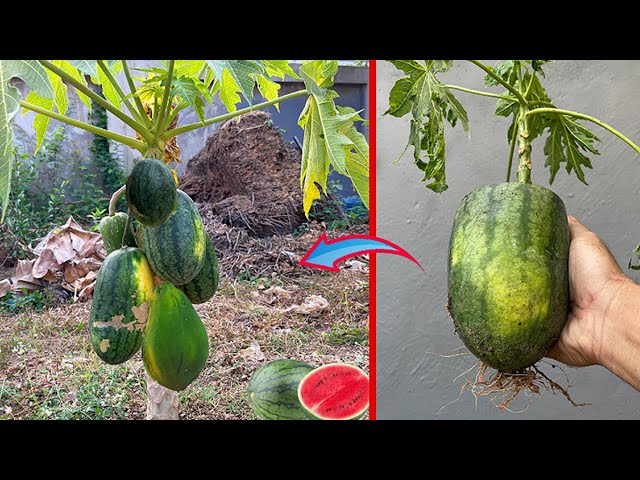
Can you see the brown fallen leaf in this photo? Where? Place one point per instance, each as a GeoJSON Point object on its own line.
{"type": "Point", "coordinates": [21, 279]}
{"type": "Point", "coordinates": [68, 254]}
{"type": "Point", "coordinates": [312, 305]}
{"type": "Point", "coordinates": [274, 293]}
{"type": "Point", "coordinates": [252, 353]}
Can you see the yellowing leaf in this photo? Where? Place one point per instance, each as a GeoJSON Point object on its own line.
{"type": "Point", "coordinates": [79, 76]}
{"type": "Point", "coordinates": [40, 122]}
{"type": "Point", "coordinates": [31, 72]}
{"type": "Point", "coordinates": [236, 76]}
{"type": "Point", "coordinates": [268, 89]}
{"type": "Point", "coordinates": [331, 139]}
{"type": "Point", "coordinates": [108, 89]}
{"type": "Point", "coordinates": [228, 89]}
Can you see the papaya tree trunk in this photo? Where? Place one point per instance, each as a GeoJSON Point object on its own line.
{"type": "Point", "coordinates": [162, 403]}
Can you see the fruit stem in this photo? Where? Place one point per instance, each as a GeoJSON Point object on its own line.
{"type": "Point", "coordinates": [114, 199]}
{"type": "Point", "coordinates": [523, 174]}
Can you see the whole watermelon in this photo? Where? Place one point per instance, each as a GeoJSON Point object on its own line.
{"type": "Point", "coordinates": [204, 285]}
{"type": "Point", "coordinates": [508, 273]}
{"type": "Point", "coordinates": [151, 192]}
{"type": "Point", "coordinates": [120, 307]}
{"type": "Point", "coordinates": [176, 249]}
{"type": "Point", "coordinates": [273, 390]}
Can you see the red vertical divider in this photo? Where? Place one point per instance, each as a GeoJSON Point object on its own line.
{"type": "Point", "coordinates": [372, 232]}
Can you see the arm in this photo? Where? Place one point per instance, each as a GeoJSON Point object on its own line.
{"type": "Point", "coordinates": [603, 327]}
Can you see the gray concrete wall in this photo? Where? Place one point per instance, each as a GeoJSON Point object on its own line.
{"type": "Point", "coordinates": [412, 321]}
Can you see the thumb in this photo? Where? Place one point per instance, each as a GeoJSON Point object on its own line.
{"type": "Point", "coordinates": [576, 229]}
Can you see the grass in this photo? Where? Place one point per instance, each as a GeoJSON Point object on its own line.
{"type": "Point", "coordinates": [48, 369]}
{"type": "Point", "coordinates": [347, 334]}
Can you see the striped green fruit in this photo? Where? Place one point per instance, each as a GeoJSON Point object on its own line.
{"type": "Point", "coordinates": [205, 283]}
{"type": "Point", "coordinates": [151, 192]}
{"type": "Point", "coordinates": [176, 249]}
{"type": "Point", "coordinates": [273, 390]}
{"type": "Point", "coordinates": [508, 273]}
{"type": "Point", "coordinates": [120, 308]}
{"type": "Point", "coordinates": [175, 345]}
{"type": "Point", "coordinates": [112, 229]}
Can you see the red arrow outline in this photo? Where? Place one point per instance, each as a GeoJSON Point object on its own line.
{"type": "Point", "coordinates": [398, 251]}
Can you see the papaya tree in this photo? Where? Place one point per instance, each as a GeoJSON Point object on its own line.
{"type": "Point", "coordinates": [151, 105]}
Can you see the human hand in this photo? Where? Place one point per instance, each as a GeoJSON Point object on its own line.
{"type": "Point", "coordinates": [595, 283]}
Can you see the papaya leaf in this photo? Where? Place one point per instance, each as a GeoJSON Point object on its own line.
{"type": "Point", "coordinates": [330, 137]}
{"type": "Point", "coordinates": [553, 150]}
{"type": "Point", "coordinates": [318, 74]}
{"type": "Point", "coordinates": [40, 122]}
{"type": "Point", "coordinates": [430, 103]}
{"type": "Point", "coordinates": [566, 139]}
{"type": "Point", "coordinates": [268, 89]}
{"type": "Point", "coordinates": [357, 159]}
{"type": "Point", "coordinates": [279, 68]}
{"type": "Point", "coordinates": [236, 76]}
{"type": "Point", "coordinates": [108, 90]}
{"type": "Point", "coordinates": [187, 68]}
{"type": "Point", "coordinates": [78, 75]}
{"type": "Point", "coordinates": [60, 101]}
{"type": "Point", "coordinates": [185, 89]}
{"type": "Point", "coordinates": [32, 73]}
{"type": "Point", "coordinates": [88, 67]}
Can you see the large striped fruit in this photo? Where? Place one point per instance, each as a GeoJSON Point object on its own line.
{"type": "Point", "coordinates": [176, 249]}
{"type": "Point", "coordinates": [175, 345]}
{"type": "Point", "coordinates": [205, 283]}
{"type": "Point", "coordinates": [112, 229]}
{"type": "Point", "coordinates": [151, 192]}
{"type": "Point", "coordinates": [120, 308]}
{"type": "Point", "coordinates": [508, 273]}
{"type": "Point", "coordinates": [273, 390]}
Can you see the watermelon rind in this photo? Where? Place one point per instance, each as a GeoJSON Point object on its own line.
{"type": "Point", "coordinates": [508, 273]}
{"type": "Point", "coordinates": [273, 390]}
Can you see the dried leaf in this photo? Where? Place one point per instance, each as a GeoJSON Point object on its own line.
{"type": "Point", "coordinates": [313, 305]}
{"type": "Point", "coordinates": [274, 293]}
{"type": "Point", "coordinates": [252, 353]}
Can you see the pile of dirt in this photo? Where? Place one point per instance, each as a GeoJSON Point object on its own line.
{"type": "Point", "coordinates": [240, 254]}
{"type": "Point", "coordinates": [249, 175]}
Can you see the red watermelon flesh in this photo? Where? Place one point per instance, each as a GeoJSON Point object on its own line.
{"type": "Point", "coordinates": [336, 391]}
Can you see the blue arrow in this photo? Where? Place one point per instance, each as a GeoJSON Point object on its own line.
{"type": "Point", "coordinates": [326, 254]}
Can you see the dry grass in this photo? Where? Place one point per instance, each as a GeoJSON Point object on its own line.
{"type": "Point", "coordinates": [48, 369]}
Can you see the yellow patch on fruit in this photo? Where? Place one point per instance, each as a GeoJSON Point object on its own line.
{"type": "Point", "coordinates": [518, 299]}
{"type": "Point", "coordinates": [144, 278]}
{"type": "Point", "coordinates": [104, 345]}
{"type": "Point", "coordinates": [199, 247]}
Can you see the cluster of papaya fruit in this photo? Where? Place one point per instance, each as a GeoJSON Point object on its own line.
{"type": "Point", "coordinates": [154, 272]}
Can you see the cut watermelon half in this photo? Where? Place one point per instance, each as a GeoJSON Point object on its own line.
{"type": "Point", "coordinates": [336, 391]}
